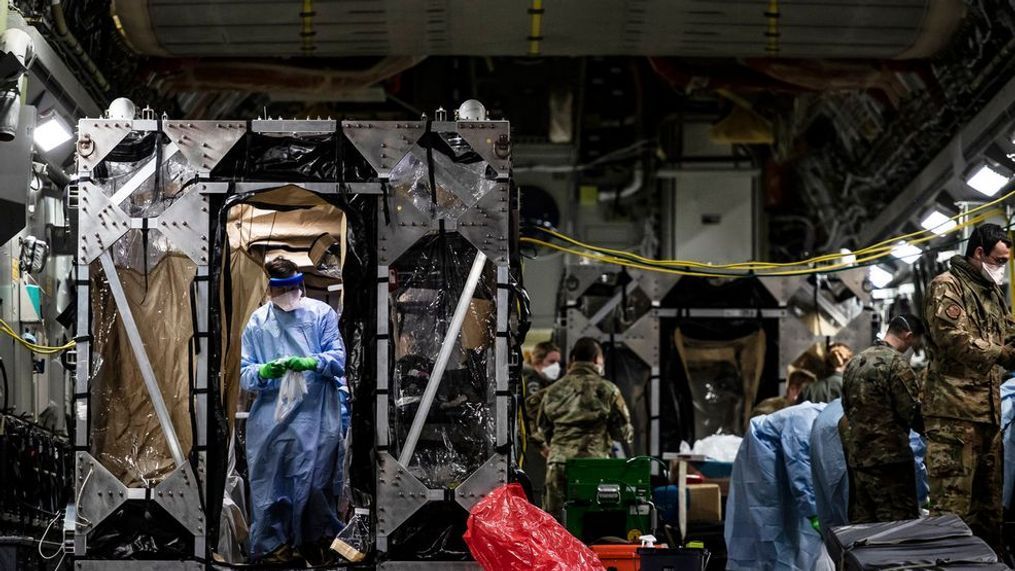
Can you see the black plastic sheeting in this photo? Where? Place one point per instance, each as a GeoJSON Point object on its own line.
{"type": "Point", "coordinates": [434, 533]}
{"type": "Point", "coordinates": [319, 158]}
{"type": "Point", "coordinates": [139, 531]}
{"type": "Point", "coordinates": [940, 542]}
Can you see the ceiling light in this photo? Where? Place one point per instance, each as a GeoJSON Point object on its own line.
{"type": "Point", "coordinates": [938, 223]}
{"type": "Point", "coordinates": [880, 277]}
{"type": "Point", "coordinates": [906, 252]}
{"type": "Point", "coordinates": [51, 134]}
{"type": "Point", "coordinates": [988, 179]}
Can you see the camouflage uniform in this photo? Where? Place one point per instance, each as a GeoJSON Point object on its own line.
{"type": "Point", "coordinates": [580, 416]}
{"type": "Point", "coordinates": [825, 390]}
{"type": "Point", "coordinates": [880, 405]}
{"type": "Point", "coordinates": [534, 465]}
{"type": "Point", "coordinates": [968, 325]}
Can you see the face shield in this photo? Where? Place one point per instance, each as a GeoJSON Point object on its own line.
{"type": "Point", "coordinates": [286, 292]}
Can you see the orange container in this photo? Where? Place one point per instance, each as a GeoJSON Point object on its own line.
{"type": "Point", "coordinates": [618, 557]}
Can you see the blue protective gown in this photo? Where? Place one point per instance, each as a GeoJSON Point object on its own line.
{"type": "Point", "coordinates": [1008, 438]}
{"type": "Point", "coordinates": [828, 464]}
{"type": "Point", "coordinates": [295, 466]}
{"type": "Point", "coordinates": [772, 495]}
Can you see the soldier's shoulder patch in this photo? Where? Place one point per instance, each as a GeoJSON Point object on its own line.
{"type": "Point", "coordinates": [953, 311]}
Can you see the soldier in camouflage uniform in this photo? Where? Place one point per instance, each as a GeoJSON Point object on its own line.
{"type": "Point", "coordinates": [881, 405]}
{"type": "Point", "coordinates": [970, 332]}
{"type": "Point", "coordinates": [579, 417]}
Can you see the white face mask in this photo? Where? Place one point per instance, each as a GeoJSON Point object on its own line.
{"type": "Point", "coordinates": [552, 372]}
{"type": "Point", "coordinates": [994, 273]}
{"type": "Point", "coordinates": [600, 369]}
{"type": "Point", "coordinates": [288, 300]}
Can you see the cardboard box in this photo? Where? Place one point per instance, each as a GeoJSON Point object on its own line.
{"type": "Point", "coordinates": [723, 483]}
{"type": "Point", "coordinates": [704, 503]}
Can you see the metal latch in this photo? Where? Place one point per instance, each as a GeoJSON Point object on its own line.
{"type": "Point", "coordinates": [608, 493]}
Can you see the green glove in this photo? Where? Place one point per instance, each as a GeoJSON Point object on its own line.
{"type": "Point", "coordinates": [272, 370]}
{"type": "Point", "coordinates": [815, 523]}
{"type": "Point", "coordinates": [302, 363]}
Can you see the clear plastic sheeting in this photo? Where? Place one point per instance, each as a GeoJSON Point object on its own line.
{"type": "Point", "coordinates": [234, 522]}
{"type": "Point", "coordinates": [723, 378]}
{"type": "Point", "coordinates": [460, 180]}
{"type": "Point", "coordinates": [458, 435]}
{"type": "Point", "coordinates": [157, 280]}
{"type": "Point", "coordinates": [150, 192]}
{"type": "Point", "coordinates": [126, 435]}
{"type": "Point", "coordinates": [141, 191]}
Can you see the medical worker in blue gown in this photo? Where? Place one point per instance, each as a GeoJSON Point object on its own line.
{"type": "Point", "coordinates": [295, 465]}
{"type": "Point", "coordinates": [771, 515]}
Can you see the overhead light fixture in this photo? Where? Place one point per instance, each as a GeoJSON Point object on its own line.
{"type": "Point", "coordinates": [880, 277]}
{"type": "Point", "coordinates": [906, 252]}
{"type": "Point", "coordinates": [988, 179]}
{"type": "Point", "coordinates": [938, 223]}
{"type": "Point", "coordinates": [51, 134]}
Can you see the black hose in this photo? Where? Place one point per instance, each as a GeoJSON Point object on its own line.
{"type": "Point", "coordinates": [7, 386]}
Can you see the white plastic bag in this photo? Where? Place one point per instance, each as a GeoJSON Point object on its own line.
{"type": "Point", "coordinates": [290, 394]}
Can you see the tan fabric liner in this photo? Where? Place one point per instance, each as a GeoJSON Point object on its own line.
{"type": "Point", "coordinates": [747, 354]}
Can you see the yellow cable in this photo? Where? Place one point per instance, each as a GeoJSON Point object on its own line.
{"type": "Point", "coordinates": [871, 255]}
{"type": "Point", "coordinates": [885, 246]}
{"type": "Point", "coordinates": [34, 347]}
{"type": "Point", "coordinates": [627, 263]}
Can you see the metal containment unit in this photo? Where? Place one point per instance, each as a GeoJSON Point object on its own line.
{"type": "Point", "coordinates": [408, 229]}
{"type": "Point", "coordinates": [718, 339]}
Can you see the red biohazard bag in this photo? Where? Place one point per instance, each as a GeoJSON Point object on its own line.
{"type": "Point", "coordinates": [507, 533]}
